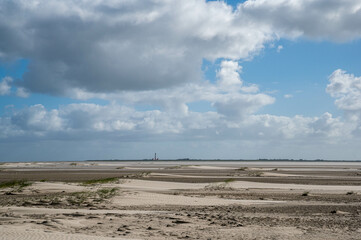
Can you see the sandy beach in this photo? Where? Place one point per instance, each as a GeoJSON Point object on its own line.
{"type": "Point", "coordinates": [180, 200]}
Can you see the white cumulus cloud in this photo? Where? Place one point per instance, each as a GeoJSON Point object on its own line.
{"type": "Point", "coordinates": [346, 88]}
{"type": "Point", "coordinates": [5, 86]}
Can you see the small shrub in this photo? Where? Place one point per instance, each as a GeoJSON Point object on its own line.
{"type": "Point", "coordinates": [73, 164]}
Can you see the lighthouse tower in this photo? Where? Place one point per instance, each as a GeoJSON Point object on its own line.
{"type": "Point", "coordinates": [155, 157]}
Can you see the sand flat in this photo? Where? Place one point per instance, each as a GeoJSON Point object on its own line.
{"type": "Point", "coordinates": [42, 210]}
{"type": "Point", "coordinates": [182, 200]}
{"type": "Point", "coordinates": [166, 186]}
{"type": "Point", "coordinates": [148, 199]}
{"type": "Point", "coordinates": [29, 233]}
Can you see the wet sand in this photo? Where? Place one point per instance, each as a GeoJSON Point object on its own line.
{"type": "Point", "coordinates": [181, 200]}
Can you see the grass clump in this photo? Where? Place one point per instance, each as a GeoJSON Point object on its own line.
{"type": "Point", "coordinates": [19, 184]}
{"type": "Point", "coordinates": [105, 193]}
{"type": "Point", "coordinates": [229, 180]}
{"type": "Point", "coordinates": [79, 198]}
{"type": "Point", "coordinates": [255, 174]}
{"type": "Point", "coordinates": [174, 167]}
{"type": "Point", "coordinates": [242, 169]}
{"type": "Point", "coordinates": [90, 198]}
{"type": "Point", "coordinates": [100, 181]}
{"type": "Point", "coordinates": [141, 175]}
{"type": "Point", "coordinates": [220, 186]}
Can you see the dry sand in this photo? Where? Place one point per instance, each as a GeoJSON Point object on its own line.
{"type": "Point", "coordinates": [182, 200]}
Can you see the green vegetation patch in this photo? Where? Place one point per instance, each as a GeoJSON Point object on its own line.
{"type": "Point", "coordinates": [106, 192]}
{"type": "Point", "coordinates": [15, 184]}
{"type": "Point", "coordinates": [101, 181]}
{"type": "Point", "coordinates": [242, 169]}
{"type": "Point", "coordinates": [229, 180]}
{"type": "Point", "coordinates": [255, 174]}
{"type": "Point", "coordinates": [86, 198]}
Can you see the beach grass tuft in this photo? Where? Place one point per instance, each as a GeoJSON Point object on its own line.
{"type": "Point", "coordinates": [100, 181]}
{"type": "Point", "coordinates": [15, 184]}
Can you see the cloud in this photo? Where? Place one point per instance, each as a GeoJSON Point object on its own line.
{"type": "Point", "coordinates": [234, 116]}
{"type": "Point", "coordinates": [229, 74]}
{"type": "Point", "coordinates": [37, 119]}
{"type": "Point", "coordinates": [22, 92]}
{"type": "Point", "coordinates": [5, 87]}
{"type": "Point", "coordinates": [135, 53]}
{"type": "Point", "coordinates": [315, 19]}
{"type": "Point", "coordinates": [228, 95]}
{"type": "Point", "coordinates": [110, 46]}
{"type": "Point", "coordinates": [119, 123]}
{"type": "Point", "coordinates": [240, 105]}
{"type": "Point", "coordinates": [234, 124]}
{"type": "Point", "coordinates": [346, 88]}
{"type": "Point", "coordinates": [102, 46]}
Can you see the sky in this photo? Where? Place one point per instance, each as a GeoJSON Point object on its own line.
{"type": "Point", "coordinates": [119, 79]}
